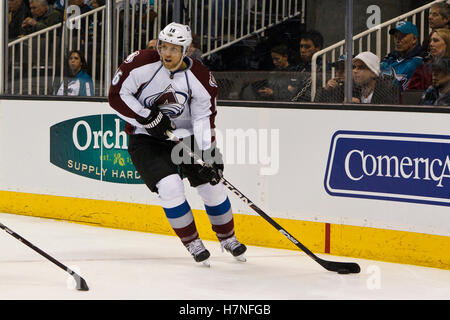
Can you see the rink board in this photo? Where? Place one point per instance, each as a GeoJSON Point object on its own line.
{"type": "Point", "coordinates": [307, 168]}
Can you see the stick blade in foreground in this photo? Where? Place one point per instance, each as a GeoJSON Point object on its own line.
{"type": "Point", "coordinates": [343, 267]}
{"type": "Point", "coordinates": [81, 284]}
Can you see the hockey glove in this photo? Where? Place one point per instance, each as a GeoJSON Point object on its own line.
{"type": "Point", "coordinates": [157, 123]}
{"type": "Point", "coordinates": [212, 171]}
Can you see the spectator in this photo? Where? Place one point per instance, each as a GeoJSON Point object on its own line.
{"type": "Point", "coordinates": [97, 3]}
{"type": "Point", "coordinates": [99, 27]}
{"type": "Point", "coordinates": [339, 78]}
{"type": "Point", "coordinates": [439, 16]}
{"type": "Point", "coordinates": [151, 45]}
{"type": "Point", "coordinates": [59, 4]}
{"type": "Point", "coordinates": [438, 94]}
{"type": "Point", "coordinates": [326, 94]}
{"type": "Point", "coordinates": [280, 58]}
{"type": "Point", "coordinates": [18, 11]}
{"type": "Point", "coordinates": [194, 52]}
{"type": "Point", "coordinates": [439, 47]}
{"type": "Point", "coordinates": [368, 87]}
{"type": "Point", "coordinates": [80, 84]}
{"type": "Point", "coordinates": [405, 59]}
{"type": "Point", "coordinates": [81, 4]}
{"type": "Point", "coordinates": [310, 43]}
{"type": "Point", "coordinates": [43, 16]}
{"type": "Point", "coordinates": [83, 9]}
{"type": "Point", "coordinates": [278, 87]}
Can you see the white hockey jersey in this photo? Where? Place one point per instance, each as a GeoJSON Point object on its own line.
{"type": "Point", "coordinates": [188, 96]}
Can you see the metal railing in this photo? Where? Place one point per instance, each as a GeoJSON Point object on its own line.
{"type": "Point", "coordinates": [229, 22]}
{"type": "Point", "coordinates": [377, 37]}
{"type": "Point", "coordinates": [32, 60]}
{"type": "Point", "coordinates": [38, 62]}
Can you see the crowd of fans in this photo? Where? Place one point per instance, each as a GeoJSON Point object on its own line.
{"type": "Point", "coordinates": [411, 67]}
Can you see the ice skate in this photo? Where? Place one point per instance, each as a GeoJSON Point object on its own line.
{"type": "Point", "coordinates": [199, 252]}
{"type": "Point", "coordinates": [233, 246]}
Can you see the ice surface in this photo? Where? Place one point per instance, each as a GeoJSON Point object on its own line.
{"type": "Point", "coordinates": [120, 264]}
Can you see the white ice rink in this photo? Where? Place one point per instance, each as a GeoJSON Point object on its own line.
{"type": "Point", "coordinates": [120, 264]}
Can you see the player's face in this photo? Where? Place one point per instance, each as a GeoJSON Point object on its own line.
{"type": "Point", "coordinates": [171, 55]}
{"type": "Point", "coordinates": [437, 45]}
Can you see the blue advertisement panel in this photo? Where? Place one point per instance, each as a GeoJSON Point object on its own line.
{"type": "Point", "coordinates": [389, 166]}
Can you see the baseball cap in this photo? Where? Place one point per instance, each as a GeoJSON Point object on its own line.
{"type": "Point", "coordinates": [405, 27]}
{"type": "Point", "coordinates": [340, 61]}
{"type": "Point", "coordinates": [371, 61]}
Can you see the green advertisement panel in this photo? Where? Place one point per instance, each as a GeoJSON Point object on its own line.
{"type": "Point", "coordinates": [94, 147]}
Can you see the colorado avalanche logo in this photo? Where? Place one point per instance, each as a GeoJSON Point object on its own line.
{"type": "Point", "coordinates": [170, 102]}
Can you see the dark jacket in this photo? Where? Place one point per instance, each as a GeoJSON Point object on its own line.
{"type": "Point", "coordinates": [384, 93]}
{"type": "Point", "coordinates": [51, 17]}
{"type": "Point", "coordinates": [421, 78]}
{"type": "Point", "coordinates": [431, 97]}
{"type": "Point", "coordinates": [15, 25]}
{"type": "Point", "coordinates": [401, 68]}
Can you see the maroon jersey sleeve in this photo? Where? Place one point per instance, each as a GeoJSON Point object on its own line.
{"type": "Point", "coordinates": [203, 102]}
{"type": "Point", "coordinates": [128, 80]}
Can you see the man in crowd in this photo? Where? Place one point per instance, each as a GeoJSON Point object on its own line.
{"type": "Point", "coordinates": [368, 87]}
{"type": "Point", "coordinates": [439, 16]}
{"type": "Point", "coordinates": [404, 60]}
{"type": "Point", "coordinates": [277, 86]}
{"type": "Point", "coordinates": [280, 58]}
{"type": "Point", "coordinates": [151, 45]}
{"type": "Point", "coordinates": [438, 94]}
{"type": "Point", "coordinates": [310, 43]}
{"type": "Point", "coordinates": [18, 11]}
{"type": "Point", "coordinates": [43, 16]}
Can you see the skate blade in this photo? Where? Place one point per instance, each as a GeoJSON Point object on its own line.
{"type": "Point", "coordinates": [241, 258]}
{"type": "Point", "coordinates": [206, 263]}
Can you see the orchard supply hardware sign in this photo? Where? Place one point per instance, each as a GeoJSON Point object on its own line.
{"type": "Point", "coordinates": [94, 147]}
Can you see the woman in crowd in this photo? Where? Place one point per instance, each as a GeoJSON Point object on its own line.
{"type": "Point", "coordinates": [439, 47]}
{"type": "Point", "coordinates": [80, 84]}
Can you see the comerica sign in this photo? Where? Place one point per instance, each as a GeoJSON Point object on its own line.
{"type": "Point", "coordinates": [94, 147]}
{"type": "Point", "coordinates": [390, 166]}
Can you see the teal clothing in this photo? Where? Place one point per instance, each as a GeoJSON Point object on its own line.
{"type": "Point", "coordinates": [80, 85]}
{"type": "Point", "coordinates": [401, 68]}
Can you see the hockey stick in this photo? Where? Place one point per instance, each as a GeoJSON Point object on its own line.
{"type": "Point", "coordinates": [340, 267]}
{"type": "Point", "coordinates": [80, 282]}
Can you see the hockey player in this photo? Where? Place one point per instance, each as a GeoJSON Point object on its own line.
{"type": "Point", "coordinates": [157, 91]}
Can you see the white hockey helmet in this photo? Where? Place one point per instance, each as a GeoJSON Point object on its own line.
{"type": "Point", "coordinates": [178, 34]}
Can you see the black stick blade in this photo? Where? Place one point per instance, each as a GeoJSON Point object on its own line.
{"type": "Point", "coordinates": [342, 267]}
{"type": "Point", "coordinates": [81, 284]}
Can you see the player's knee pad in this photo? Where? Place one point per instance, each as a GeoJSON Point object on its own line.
{"type": "Point", "coordinates": [212, 195]}
{"type": "Point", "coordinates": [171, 191]}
